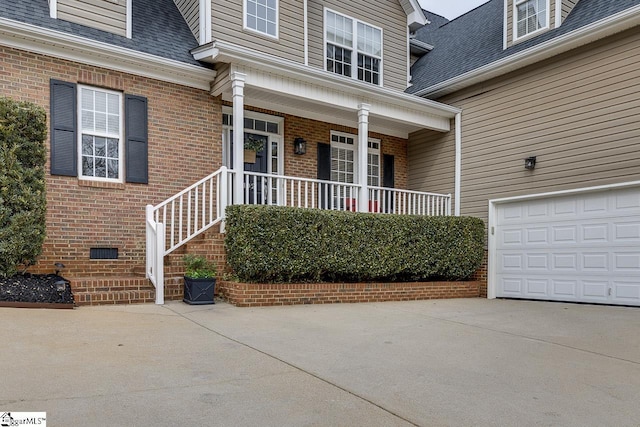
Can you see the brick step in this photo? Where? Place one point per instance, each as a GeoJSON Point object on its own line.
{"type": "Point", "coordinates": [121, 290]}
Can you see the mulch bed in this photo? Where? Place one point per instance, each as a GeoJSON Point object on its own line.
{"type": "Point", "coordinates": [35, 290]}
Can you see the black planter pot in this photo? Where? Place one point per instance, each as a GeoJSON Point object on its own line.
{"type": "Point", "coordinates": [198, 291]}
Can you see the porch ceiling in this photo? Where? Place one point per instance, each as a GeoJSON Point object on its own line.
{"type": "Point", "coordinates": [299, 90]}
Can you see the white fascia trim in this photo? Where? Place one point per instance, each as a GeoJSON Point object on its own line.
{"type": "Point", "coordinates": [558, 13]}
{"type": "Point", "coordinates": [74, 48]}
{"type": "Point", "coordinates": [587, 34]}
{"type": "Point", "coordinates": [53, 9]}
{"type": "Point", "coordinates": [220, 51]}
{"type": "Point", "coordinates": [129, 18]}
{"type": "Point", "coordinates": [492, 216]}
{"type": "Point", "coordinates": [505, 24]}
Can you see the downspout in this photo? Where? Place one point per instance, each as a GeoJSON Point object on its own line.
{"type": "Point", "coordinates": [306, 32]}
{"type": "Point", "coordinates": [458, 162]}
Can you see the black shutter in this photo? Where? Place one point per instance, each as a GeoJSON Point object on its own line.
{"type": "Point", "coordinates": [324, 161]}
{"type": "Point", "coordinates": [136, 134]}
{"type": "Point", "coordinates": [388, 179]}
{"type": "Point", "coordinates": [324, 173]}
{"type": "Point", "coordinates": [64, 152]}
{"type": "Point", "coordinates": [388, 171]}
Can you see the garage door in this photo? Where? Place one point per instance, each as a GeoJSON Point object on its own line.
{"type": "Point", "coordinates": [584, 248]}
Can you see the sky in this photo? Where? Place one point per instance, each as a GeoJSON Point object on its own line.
{"type": "Point", "coordinates": [450, 9]}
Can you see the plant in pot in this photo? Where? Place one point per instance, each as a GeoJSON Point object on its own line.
{"type": "Point", "coordinates": [199, 279]}
{"type": "Point", "coordinates": [252, 144]}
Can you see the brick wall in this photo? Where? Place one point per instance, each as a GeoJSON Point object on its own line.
{"type": "Point", "coordinates": [185, 128]}
{"type": "Point", "coordinates": [184, 146]}
{"type": "Point", "coordinates": [314, 132]}
{"type": "Point", "coordinates": [253, 295]}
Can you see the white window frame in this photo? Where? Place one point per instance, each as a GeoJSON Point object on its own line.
{"type": "Point", "coordinates": [255, 30]}
{"type": "Point", "coordinates": [516, 3]}
{"type": "Point", "coordinates": [272, 137]}
{"type": "Point", "coordinates": [120, 134]}
{"type": "Point", "coordinates": [354, 49]}
{"type": "Point", "coordinates": [354, 148]}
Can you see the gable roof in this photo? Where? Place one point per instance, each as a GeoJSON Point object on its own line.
{"type": "Point", "coordinates": [415, 17]}
{"type": "Point", "coordinates": [158, 28]}
{"type": "Point", "coordinates": [474, 41]}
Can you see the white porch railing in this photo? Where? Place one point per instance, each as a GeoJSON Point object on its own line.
{"type": "Point", "coordinates": [280, 190]}
{"type": "Point", "coordinates": [199, 207]}
{"type": "Point", "coordinates": [404, 202]}
{"type": "Point", "coordinates": [182, 217]}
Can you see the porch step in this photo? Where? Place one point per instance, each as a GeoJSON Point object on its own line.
{"type": "Point", "coordinates": [121, 290]}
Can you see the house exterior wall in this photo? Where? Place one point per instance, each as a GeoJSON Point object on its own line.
{"type": "Point", "coordinates": [190, 11]}
{"type": "Point", "coordinates": [387, 14]}
{"type": "Point", "coordinates": [107, 15]}
{"type": "Point", "coordinates": [577, 113]}
{"type": "Point", "coordinates": [184, 134]}
{"type": "Point", "coordinates": [227, 25]}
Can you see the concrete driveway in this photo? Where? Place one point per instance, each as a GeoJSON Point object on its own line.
{"type": "Point", "coordinates": [469, 362]}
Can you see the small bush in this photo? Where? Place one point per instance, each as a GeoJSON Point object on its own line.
{"type": "Point", "coordinates": [277, 244]}
{"type": "Point", "coordinates": [22, 184]}
{"type": "Point", "coordinates": [199, 267]}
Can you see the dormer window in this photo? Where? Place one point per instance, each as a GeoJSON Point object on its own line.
{"type": "Point", "coordinates": [348, 40]}
{"type": "Point", "coordinates": [530, 16]}
{"type": "Point", "coordinates": [261, 16]}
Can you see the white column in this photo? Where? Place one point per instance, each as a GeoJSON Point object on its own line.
{"type": "Point", "coordinates": [458, 162]}
{"type": "Point", "coordinates": [363, 150]}
{"type": "Point", "coordinates": [237, 84]}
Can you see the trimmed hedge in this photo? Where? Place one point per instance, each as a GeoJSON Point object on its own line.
{"type": "Point", "coordinates": [280, 244]}
{"type": "Point", "coordinates": [23, 131]}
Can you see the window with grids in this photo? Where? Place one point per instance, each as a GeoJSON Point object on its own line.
{"type": "Point", "coordinates": [262, 16]}
{"type": "Point", "coordinates": [347, 40]}
{"type": "Point", "coordinates": [531, 15]}
{"type": "Point", "coordinates": [344, 158]}
{"type": "Point", "coordinates": [373, 163]}
{"type": "Point", "coordinates": [100, 134]}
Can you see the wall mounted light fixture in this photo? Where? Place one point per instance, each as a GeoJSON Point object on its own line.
{"type": "Point", "coordinates": [530, 163]}
{"type": "Point", "coordinates": [299, 146]}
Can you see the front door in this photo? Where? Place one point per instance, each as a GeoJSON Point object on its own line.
{"type": "Point", "coordinates": [256, 186]}
{"type": "Point", "coordinates": [264, 131]}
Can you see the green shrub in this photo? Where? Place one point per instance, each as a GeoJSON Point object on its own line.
{"type": "Point", "coordinates": [278, 244]}
{"type": "Point", "coordinates": [199, 267]}
{"type": "Point", "coordinates": [22, 185]}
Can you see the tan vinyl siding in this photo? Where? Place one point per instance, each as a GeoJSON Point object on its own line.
{"type": "Point", "coordinates": [190, 10]}
{"type": "Point", "coordinates": [510, 23]}
{"type": "Point", "coordinates": [431, 161]}
{"type": "Point", "coordinates": [106, 15]}
{"type": "Point", "coordinates": [567, 7]}
{"type": "Point", "coordinates": [387, 14]}
{"type": "Point", "coordinates": [227, 25]}
{"type": "Point", "coordinates": [578, 114]}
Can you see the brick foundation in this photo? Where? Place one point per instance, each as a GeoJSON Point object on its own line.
{"type": "Point", "coordinates": [254, 295]}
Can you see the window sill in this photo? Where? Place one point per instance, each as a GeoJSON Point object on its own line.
{"type": "Point", "coordinates": [101, 184]}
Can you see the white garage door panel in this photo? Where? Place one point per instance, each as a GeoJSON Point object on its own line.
{"type": "Point", "coordinates": [583, 247]}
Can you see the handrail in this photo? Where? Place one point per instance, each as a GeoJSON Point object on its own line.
{"type": "Point", "coordinates": [193, 210]}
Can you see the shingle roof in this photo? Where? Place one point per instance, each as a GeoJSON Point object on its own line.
{"type": "Point", "coordinates": [158, 27]}
{"type": "Point", "coordinates": [435, 21]}
{"type": "Point", "coordinates": [475, 39]}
